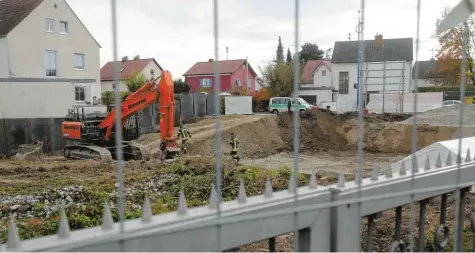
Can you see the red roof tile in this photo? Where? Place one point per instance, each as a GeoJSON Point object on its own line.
{"type": "Point", "coordinates": [128, 68]}
{"type": "Point", "coordinates": [310, 67]}
{"type": "Point", "coordinates": [209, 68]}
{"type": "Point", "coordinates": [12, 12]}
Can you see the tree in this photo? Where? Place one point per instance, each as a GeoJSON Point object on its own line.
{"type": "Point", "coordinates": [289, 57]}
{"type": "Point", "coordinates": [279, 57]}
{"type": "Point", "coordinates": [328, 54]}
{"type": "Point", "coordinates": [135, 81]}
{"type": "Point", "coordinates": [107, 99]}
{"type": "Point", "coordinates": [180, 86]}
{"type": "Point", "coordinates": [450, 53]}
{"type": "Point", "coordinates": [278, 78]}
{"type": "Point", "coordinates": [310, 52]}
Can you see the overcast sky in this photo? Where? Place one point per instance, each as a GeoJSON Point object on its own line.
{"type": "Point", "coordinates": [179, 33]}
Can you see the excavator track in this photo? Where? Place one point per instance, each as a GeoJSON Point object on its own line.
{"type": "Point", "coordinates": [82, 152]}
{"type": "Point", "coordinates": [138, 151]}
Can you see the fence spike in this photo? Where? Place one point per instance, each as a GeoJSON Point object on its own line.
{"type": "Point", "coordinates": [107, 221]}
{"type": "Point", "coordinates": [449, 160]}
{"type": "Point", "coordinates": [415, 164]}
{"type": "Point", "coordinates": [468, 158]}
{"type": "Point", "coordinates": [268, 191]}
{"type": "Point", "coordinates": [213, 198]}
{"type": "Point", "coordinates": [242, 198]}
{"type": "Point", "coordinates": [182, 207]}
{"type": "Point", "coordinates": [374, 174]}
{"type": "Point", "coordinates": [291, 182]}
{"type": "Point", "coordinates": [313, 180]}
{"type": "Point", "coordinates": [146, 210]}
{"type": "Point", "coordinates": [438, 163]}
{"type": "Point", "coordinates": [341, 180]}
{"type": "Point", "coordinates": [389, 171]}
{"type": "Point", "coordinates": [427, 164]}
{"type": "Point", "coordinates": [64, 230]}
{"type": "Point", "coordinates": [13, 240]}
{"type": "Point", "coordinates": [402, 170]}
{"type": "Point", "coordinates": [459, 158]}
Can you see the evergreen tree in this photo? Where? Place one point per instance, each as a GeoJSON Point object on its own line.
{"type": "Point", "coordinates": [289, 57]}
{"type": "Point", "coordinates": [279, 58]}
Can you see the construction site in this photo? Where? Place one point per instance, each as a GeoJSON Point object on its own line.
{"type": "Point", "coordinates": [32, 185]}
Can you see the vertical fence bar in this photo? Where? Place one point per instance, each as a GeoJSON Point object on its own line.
{"type": "Point", "coordinates": [217, 110]}
{"type": "Point", "coordinates": [414, 133]}
{"type": "Point", "coordinates": [360, 126]}
{"type": "Point", "coordinates": [118, 127]}
{"type": "Point", "coordinates": [296, 124]}
{"type": "Point", "coordinates": [458, 231]}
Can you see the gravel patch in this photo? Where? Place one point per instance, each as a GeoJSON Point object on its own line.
{"type": "Point", "coordinates": [446, 116]}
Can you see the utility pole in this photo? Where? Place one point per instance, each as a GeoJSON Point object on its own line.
{"type": "Point", "coordinates": [247, 77]}
{"type": "Point", "coordinates": [349, 36]}
{"type": "Point", "coordinates": [227, 51]}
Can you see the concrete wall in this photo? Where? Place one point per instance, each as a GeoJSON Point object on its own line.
{"type": "Point", "coordinates": [35, 99]}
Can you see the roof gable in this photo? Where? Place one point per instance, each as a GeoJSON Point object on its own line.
{"type": "Point", "coordinates": [12, 12]}
{"type": "Point", "coordinates": [128, 68]}
{"type": "Point", "coordinates": [393, 50]}
{"type": "Point", "coordinates": [209, 67]}
{"type": "Point", "coordinates": [425, 68]}
{"type": "Point", "coordinates": [310, 67]}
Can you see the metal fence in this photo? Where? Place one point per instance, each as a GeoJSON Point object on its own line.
{"type": "Point", "coordinates": [320, 218]}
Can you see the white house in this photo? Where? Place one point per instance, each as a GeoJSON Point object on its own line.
{"type": "Point", "coordinates": [316, 83]}
{"type": "Point", "coordinates": [425, 67]}
{"type": "Point", "coordinates": [49, 61]}
{"type": "Point", "coordinates": [317, 73]}
{"type": "Point", "coordinates": [148, 67]}
{"type": "Point", "coordinates": [387, 67]}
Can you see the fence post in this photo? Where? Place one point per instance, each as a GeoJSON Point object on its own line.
{"type": "Point", "coordinates": [346, 223]}
{"type": "Point", "coordinates": [317, 237]}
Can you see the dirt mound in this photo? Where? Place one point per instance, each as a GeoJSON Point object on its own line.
{"type": "Point", "coordinates": [318, 131]}
{"type": "Point", "coordinates": [259, 136]}
{"type": "Point", "coordinates": [322, 131]}
{"type": "Point", "coordinates": [446, 116]}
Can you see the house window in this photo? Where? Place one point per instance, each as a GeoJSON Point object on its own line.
{"type": "Point", "coordinates": [79, 61]}
{"type": "Point", "coordinates": [80, 93]}
{"type": "Point", "coordinates": [49, 25]}
{"type": "Point", "coordinates": [64, 27]}
{"type": "Point", "coordinates": [152, 72]}
{"type": "Point", "coordinates": [248, 83]}
{"type": "Point", "coordinates": [50, 64]}
{"type": "Point", "coordinates": [343, 83]}
{"type": "Point", "coordinates": [206, 82]}
{"type": "Point", "coordinates": [238, 82]}
{"type": "Point", "coordinates": [324, 72]}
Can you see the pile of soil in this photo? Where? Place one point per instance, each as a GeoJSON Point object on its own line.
{"type": "Point", "coordinates": [446, 116]}
{"type": "Point", "coordinates": [322, 131]}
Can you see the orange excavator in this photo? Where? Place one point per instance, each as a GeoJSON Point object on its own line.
{"type": "Point", "coordinates": [93, 134]}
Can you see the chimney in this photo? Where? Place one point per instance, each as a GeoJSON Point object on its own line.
{"type": "Point", "coordinates": [210, 60]}
{"type": "Point", "coordinates": [378, 40]}
{"type": "Point", "coordinates": [137, 57]}
{"type": "Point", "coordinates": [125, 58]}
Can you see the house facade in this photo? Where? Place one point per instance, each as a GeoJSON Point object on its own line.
{"type": "Point", "coordinates": [423, 68]}
{"type": "Point", "coordinates": [387, 66]}
{"type": "Point", "coordinates": [317, 73]}
{"type": "Point", "coordinates": [231, 77]}
{"type": "Point", "coordinates": [46, 49]}
{"type": "Point", "coordinates": [149, 67]}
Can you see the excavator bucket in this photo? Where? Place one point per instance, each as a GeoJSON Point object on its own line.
{"type": "Point", "coordinates": [30, 152]}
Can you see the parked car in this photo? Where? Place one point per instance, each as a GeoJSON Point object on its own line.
{"type": "Point", "coordinates": [451, 102]}
{"type": "Point", "coordinates": [279, 104]}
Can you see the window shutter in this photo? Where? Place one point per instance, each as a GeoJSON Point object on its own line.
{"type": "Point", "coordinates": [210, 82]}
{"type": "Point", "coordinates": [87, 93]}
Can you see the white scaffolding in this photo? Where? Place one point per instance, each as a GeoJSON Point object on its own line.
{"type": "Point", "coordinates": [384, 78]}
